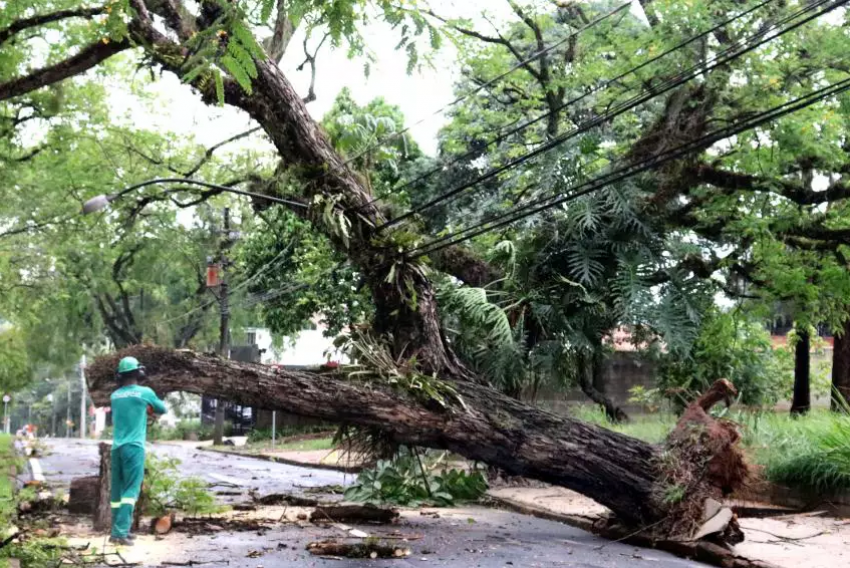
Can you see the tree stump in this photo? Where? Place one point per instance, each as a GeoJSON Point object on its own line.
{"type": "Point", "coordinates": [84, 495]}
{"type": "Point", "coordinates": [103, 510]}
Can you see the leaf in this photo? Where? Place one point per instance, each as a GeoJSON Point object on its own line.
{"type": "Point", "coordinates": [238, 73]}
{"type": "Point", "coordinates": [266, 10]}
{"type": "Point", "coordinates": [219, 86]}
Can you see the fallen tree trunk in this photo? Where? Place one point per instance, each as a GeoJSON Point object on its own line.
{"type": "Point", "coordinates": [624, 474]}
{"type": "Point", "coordinates": [613, 469]}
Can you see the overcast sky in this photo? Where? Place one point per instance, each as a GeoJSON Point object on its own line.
{"type": "Point", "coordinates": [419, 95]}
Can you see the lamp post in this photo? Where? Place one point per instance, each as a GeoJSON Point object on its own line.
{"type": "Point", "coordinates": [100, 202]}
{"type": "Point", "coordinates": [6, 399]}
{"type": "Point", "coordinates": [52, 414]}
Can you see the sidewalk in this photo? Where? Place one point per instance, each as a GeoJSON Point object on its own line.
{"type": "Point", "coordinates": [801, 540]}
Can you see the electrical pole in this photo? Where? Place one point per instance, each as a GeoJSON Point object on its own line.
{"type": "Point", "coordinates": [224, 327]}
{"type": "Point", "coordinates": [83, 396]}
{"type": "Point", "coordinates": [68, 411]}
{"type": "Point", "coordinates": [52, 415]}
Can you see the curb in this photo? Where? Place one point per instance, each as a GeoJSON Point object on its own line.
{"type": "Point", "coordinates": [700, 551]}
{"type": "Point", "coordinates": [275, 459]}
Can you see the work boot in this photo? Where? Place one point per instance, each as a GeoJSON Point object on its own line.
{"type": "Point", "coordinates": [121, 540]}
{"type": "Point", "coordinates": [131, 537]}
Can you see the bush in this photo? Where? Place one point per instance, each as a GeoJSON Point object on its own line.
{"type": "Point", "coordinates": [733, 346]}
{"type": "Point", "coordinates": [401, 481]}
{"type": "Point", "coordinates": [166, 491]}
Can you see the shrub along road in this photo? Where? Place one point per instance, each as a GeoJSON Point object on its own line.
{"type": "Point", "coordinates": [460, 538]}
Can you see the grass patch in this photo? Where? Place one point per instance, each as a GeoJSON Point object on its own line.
{"type": "Point", "coordinates": [293, 446]}
{"type": "Point", "coordinates": [8, 460]}
{"type": "Point", "coordinates": [652, 428]}
{"type": "Point", "coordinates": [809, 453]}
{"type": "Point", "coordinates": [309, 445]}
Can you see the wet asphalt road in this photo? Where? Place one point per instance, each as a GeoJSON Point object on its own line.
{"type": "Point", "coordinates": [472, 537]}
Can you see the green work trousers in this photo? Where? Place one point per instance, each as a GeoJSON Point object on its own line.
{"type": "Point", "coordinates": [128, 470]}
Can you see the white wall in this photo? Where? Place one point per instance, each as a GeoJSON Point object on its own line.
{"type": "Point", "coordinates": [308, 348]}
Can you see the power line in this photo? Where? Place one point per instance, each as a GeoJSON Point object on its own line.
{"type": "Point", "coordinates": [263, 269]}
{"type": "Point", "coordinates": [531, 122]}
{"type": "Point", "coordinates": [596, 21]}
{"type": "Point", "coordinates": [626, 172]}
{"type": "Point", "coordinates": [732, 52]}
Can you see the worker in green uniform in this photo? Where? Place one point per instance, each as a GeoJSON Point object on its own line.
{"type": "Point", "coordinates": [131, 404]}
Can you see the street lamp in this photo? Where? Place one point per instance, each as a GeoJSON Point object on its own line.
{"type": "Point", "coordinates": [100, 202]}
{"type": "Point", "coordinates": [6, 399]}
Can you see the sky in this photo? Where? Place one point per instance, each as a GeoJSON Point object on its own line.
{"type": "Point", "coordinates": [419, 95]}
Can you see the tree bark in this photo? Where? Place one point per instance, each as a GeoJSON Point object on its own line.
{"type": "Point", "coordinates": [615, 470]}
{"type": "Point", "coordinates": [624, 474]}
{"type": "Point", "coordinates": [103, 511]}
{"type": "Point", "coordinates": [592, 385]}
{"type": "Point", "coordinates": [841, 370]}
{"type": "Point", "coordinates": [802, 402]}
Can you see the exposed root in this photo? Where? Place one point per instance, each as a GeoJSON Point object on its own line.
{"type": "Point", "coordinates": [700, 465]}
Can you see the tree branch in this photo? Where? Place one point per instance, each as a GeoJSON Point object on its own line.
{"type": "Point", "coordinates": [176, 16]}
{"type": "Point", "coordinates": [40, 20]}
{"type": "Point", "coordinates": [794, 191]}
{"type": "Point", "coordinates": [311, 59]}
{"type": "Point", "coordinates": [89, 57]}
{"type": "Point", "coordinates": [284, 29]}
{"type": "Point", "coordinates": [212, 149]}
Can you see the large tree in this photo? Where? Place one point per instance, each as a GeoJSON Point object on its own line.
{"type": "Point", "coordinates": [217, 54]}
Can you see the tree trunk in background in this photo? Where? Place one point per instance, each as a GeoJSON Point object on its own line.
{"type": "Point", "coordinates": [802, 402]}
{"type": "Point", "coordinates": [841, 370]}
{"type": "Point", "coordinates": [592, 384]}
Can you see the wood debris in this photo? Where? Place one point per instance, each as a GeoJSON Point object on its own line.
{"type": "Point", "coordinates": [334, 548]}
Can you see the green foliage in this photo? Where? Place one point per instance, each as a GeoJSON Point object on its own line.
{"type": "Point", "coordinates": [227, 43]}
{"type": "Point", "coordinates": [35, 552]}
{"type": "Point", "coordinates": [15, 368]}
{"type": "Point", "coordinates": [184, 430]}
{"type": "Point", "coordinates": [31, 552]}
{"type": "Point", "coordinates": [167, 491]}
{"type": "Point", "coordinates": [404, 481]}
{"type": "Point", "coordinates": [7, 494]}
{"type": "Point", "coordinates": [734, 346]}
{"type": "Point", "coordinates": [811, 453]}
{"type": "Point", "coordinates": [296, 272]}
{"type": "Point", "coordinates": [373, 362]}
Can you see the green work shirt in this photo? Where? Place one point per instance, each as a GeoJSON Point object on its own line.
{"type": "Point", "coordinates": [129, 414]}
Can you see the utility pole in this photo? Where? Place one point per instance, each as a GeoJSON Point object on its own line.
{"type": "Point", "coordinates": [83, 396]}
{"type": "Point", "coordinates": [68, 410]}
{"type": "Point", "coordinates": [224, 327]}
{"type": "Point", "coordinates": [52, 415]}
{"type": "Point", "coordinates": [6, 399]}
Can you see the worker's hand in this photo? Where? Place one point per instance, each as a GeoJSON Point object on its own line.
{"type": "Point", "coordinates": [151, 416]}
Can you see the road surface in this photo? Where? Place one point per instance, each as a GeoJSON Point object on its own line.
{"type": "Point", "coordinates": [470, 537]}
